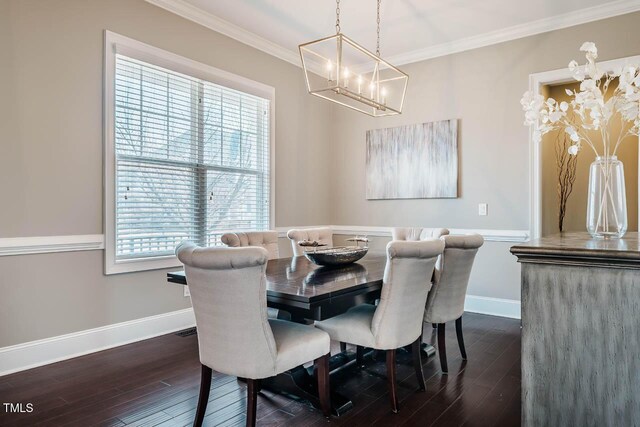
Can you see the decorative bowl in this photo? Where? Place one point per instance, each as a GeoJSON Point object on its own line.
{"type": "Point", "coordinates": [339, 255]}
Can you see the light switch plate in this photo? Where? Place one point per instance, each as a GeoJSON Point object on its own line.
{"type": "Point", "coordinates": [186, 291]}
{"type": "Point", "coordinates": [483, 209]}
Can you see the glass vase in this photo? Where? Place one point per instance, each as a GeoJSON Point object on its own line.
{"type": "Point", "coordinates": [607, 200]}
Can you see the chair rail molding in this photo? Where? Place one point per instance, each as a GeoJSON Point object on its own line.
{"type": "Point", "coordinates": [489, 235]}
{"type": "Point", "coordinates": [90, 242]}
{"type": "Point", "coordinates": [32, 354]}
{"type": "Point", "coordinates": [50, 244]}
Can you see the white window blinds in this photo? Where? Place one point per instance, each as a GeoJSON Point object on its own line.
{"type": "Point", "coordinates": [192, 160]}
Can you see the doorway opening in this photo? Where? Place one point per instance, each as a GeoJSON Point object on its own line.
{"type": "Point", "coordinates": [554, 152]}
{"type": "Point", "coordinates": [543, 83]}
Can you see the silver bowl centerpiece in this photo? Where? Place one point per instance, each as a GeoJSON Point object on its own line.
{"type": "Point", "coordinates": [335, 256]}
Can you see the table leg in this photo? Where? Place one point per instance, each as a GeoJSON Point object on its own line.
{"type": "Point", "coordinates": [428, 350]}
{"type": "Point", "coordinates": [299, 383]}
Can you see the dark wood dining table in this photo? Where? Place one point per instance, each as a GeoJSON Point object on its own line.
{"type": "Point", "coordinates": [310, 292]}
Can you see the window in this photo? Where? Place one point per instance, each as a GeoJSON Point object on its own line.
{"type": "Point", "coordinates": [191, 159]}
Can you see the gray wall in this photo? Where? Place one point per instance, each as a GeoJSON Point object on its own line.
{"type": "Point", "coordinates": [51, 150]}
{"type": "Point", "coordinates": [51, 155]}
{"type": "Point", "coordinates": [482, 88]}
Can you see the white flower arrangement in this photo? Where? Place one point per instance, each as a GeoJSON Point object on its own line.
{"type": "Point", "coordinates": [592, 110]}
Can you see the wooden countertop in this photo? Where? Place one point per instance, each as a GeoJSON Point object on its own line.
{"type": "Point", "coordinates": [581, 249]}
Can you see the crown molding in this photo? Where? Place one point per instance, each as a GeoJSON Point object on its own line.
{"type": "Point", "coordinates": [558, 22]}
{"type": "Point", "coordinates": [219, 25]}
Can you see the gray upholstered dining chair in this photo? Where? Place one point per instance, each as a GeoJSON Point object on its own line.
{"type": "Point", "coordinates": [397, 320]}
{"type": "Point", "coordinates": [446, 298]}
{"type": "Point", "coordinates": [235, 337]}
{"type": "Point", "coordinates": [417, 233]}
{"type": "Point", "coordinates": [263, 239]}
{"type": "Point", "coordinates": [320, 235]}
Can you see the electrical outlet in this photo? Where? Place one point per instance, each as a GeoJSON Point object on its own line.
{"type": "Point", "coordinates": [186, 291]}
{"type": "Point", "coordinates": [483, 209]}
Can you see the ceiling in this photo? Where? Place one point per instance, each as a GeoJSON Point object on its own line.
{"type": "Point", "coordinates": [411, 30]}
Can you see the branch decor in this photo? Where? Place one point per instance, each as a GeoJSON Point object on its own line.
{"type": "Point", "coordinates": [566, 165]}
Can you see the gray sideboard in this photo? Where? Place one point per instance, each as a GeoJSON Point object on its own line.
{"type": "Point", "coordinates": [580, 331]}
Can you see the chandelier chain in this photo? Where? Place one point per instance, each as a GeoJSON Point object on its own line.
{"type": "Point", "coordinates": [337, 16]}
{"type": "Point", "coordinates": [378, 30]}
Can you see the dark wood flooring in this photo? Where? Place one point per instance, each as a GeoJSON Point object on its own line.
{"type": "Point", "coordinates": [155, 383]}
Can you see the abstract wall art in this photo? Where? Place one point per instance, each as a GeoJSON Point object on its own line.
{"type": "Point", "coordinates": [413, 162]}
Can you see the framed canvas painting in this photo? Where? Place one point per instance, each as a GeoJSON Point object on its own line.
{"type": "Point", "coordinates": [413, 162]}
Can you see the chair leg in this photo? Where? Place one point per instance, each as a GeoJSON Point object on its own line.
{"type": "Point", "coordinates": [416, 350]}
{"type": "Point", "coordinates": [205, 388]}
{"type": "Point", "coordinates": [343, 347]}
{"type": "Point", "coordinates": [463, 352]}
{"type": "Point", "coordinates": [359, 355]}
{"type": "Point", "coordinates": [391, 379]}
{"type": "Point", "coordinates": [322, 378]}
{"type": "Point", "coordinates": [252, 401]}
{"type": "Point", "coordinates": [442, 349]}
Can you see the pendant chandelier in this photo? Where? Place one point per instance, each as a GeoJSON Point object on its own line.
{"type": "Point", "coordinates": [340, 70]}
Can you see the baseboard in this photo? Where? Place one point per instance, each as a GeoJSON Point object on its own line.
{"type": "Point", "coordinates": [32, 354]}
{"type": "Point", "coordinates": [493, 306]}
{"type": "Point", "coordinates": [42, 352]}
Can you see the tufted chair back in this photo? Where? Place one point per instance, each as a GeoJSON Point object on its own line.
{"type": "Point", "coordinates": [228, 294]}
{"type": "Point", "coordinates": [321, 235]}
{"type": "Point", "coordinates": [417, 233]}
{"type": "Point", "coordinates": [446, 299]}
{"type": "Point", "coordinates": [264, 239]}
{"type": "Point", "coordinates": [398, 317]}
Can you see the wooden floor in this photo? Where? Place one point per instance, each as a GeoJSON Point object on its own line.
{"type": "Point", "coordinates": [155, 383]}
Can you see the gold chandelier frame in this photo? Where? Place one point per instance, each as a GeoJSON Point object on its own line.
{"type": "Point", "coordinates": [377, 88]}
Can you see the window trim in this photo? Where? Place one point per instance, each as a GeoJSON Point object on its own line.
{"type": "Point", "coordinates": [116, 43]}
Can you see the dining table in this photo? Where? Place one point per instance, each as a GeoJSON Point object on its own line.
{"type": "Point", "coordinates": [310, 292]}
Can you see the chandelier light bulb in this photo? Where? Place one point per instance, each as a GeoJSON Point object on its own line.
{"type": "Point", "coordinates": [329, 67]}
